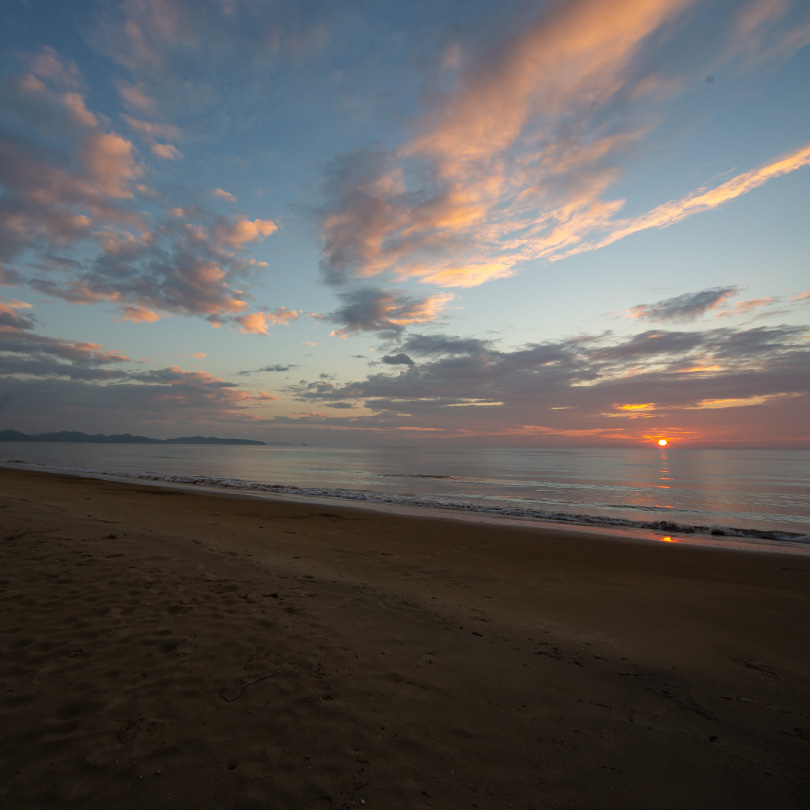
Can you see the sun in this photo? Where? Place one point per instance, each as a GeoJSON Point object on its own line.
{"type": "Point", "coordinates": [662, 442]}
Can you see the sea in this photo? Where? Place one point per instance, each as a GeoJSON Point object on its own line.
{"type": "Point", "coordinates": [757, 498]}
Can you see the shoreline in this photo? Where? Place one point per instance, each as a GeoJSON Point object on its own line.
{"type": "Point", "coordinates": [160, 647]}
{"type": "Point", "coordinates": [785, 545]}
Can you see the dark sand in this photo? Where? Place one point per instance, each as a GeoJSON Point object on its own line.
{"type": "Point", "coordinates": [169, 649]}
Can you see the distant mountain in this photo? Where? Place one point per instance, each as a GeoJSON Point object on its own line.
{"type": "Point", "coordinates": [120, 438]}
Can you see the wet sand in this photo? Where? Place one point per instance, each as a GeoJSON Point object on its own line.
{"type": "Point", "coordinates": [160, 648]}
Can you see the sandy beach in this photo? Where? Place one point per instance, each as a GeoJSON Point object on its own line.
{"type": "Point", "coordinates": [161, 648]}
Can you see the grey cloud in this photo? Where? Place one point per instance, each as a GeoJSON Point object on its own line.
{"type": "Point", "coordinates": [87, 405]}
{"type": "Point", "coordinates": [386, 312]}
{"type": "Point", "coordinates": [14, 319]}
{"type": "Point", "coordinates": [275, 368]}
{"type": "Point", "coordinates": [587, 375]}
{"type": "Point", "coordinates": [70, 217]}
{"type": "Point", "coordinates": [400, 359]}
{"type": "Point", "coordinates": [362, 215]}
{"type": "Point", "coordinates": [46, 367]}
{"type": "Point", "coordinates": [686, 307]}
{"type": "Point", "coordinates": [444, 344]}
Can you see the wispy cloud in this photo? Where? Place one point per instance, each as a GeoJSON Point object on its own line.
{"type": "Point", "coordinates": [518, 160]}
{"type": "Point", "coordinates": [686, 307]}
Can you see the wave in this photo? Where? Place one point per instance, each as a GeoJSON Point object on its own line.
{"type": "Point", "coordinates": [422, 475]}
{"type": "Point", "coordinates": [495, 510]}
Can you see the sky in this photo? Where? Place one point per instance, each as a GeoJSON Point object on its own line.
{"type": "Point", "coordinates": [468, 222]}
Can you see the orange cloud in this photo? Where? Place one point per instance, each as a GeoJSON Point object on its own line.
{"type": "Point", "coordinates": [744, 307]}
{"type": "Point", "coordinates": [259, 323]}
{"type": "Point", "coordinates": [704, 200]}
{"type": "Point", "coordinates": [517, 161]}
{"type": "Point", "coordinates": [236, 232]}
{"type": "Point", "coordinates": [139, 315]}
{"type": "Point", "coordinates": [738, 402]}
{"type": "Point", "coordinates": [575, 52]}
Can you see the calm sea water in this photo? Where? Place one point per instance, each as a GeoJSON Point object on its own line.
{"type": "Point", "coordinates": [755, 493]}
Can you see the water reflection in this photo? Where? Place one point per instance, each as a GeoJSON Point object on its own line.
{"type": "Point", "coordinates": [663, 471]}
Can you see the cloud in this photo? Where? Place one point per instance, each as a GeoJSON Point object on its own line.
{"type": "Point", "coordinates": [278, 367]}
{"type": "Point", "coordinates": [700, 200]}
{"type": "Point", "coordinates": [523, 142]}
{"type": "Point", "coordinates": [137, 314]}
{"type": "Point", "coordinates": [386, 312]}
{"type": "Point", "coordinates": [199, 355]}
{"type": "Point", "coordinates": [74, 220]}
{"type": "Point", "coordinates": [745, 307]}
{"type": "Point", "coordinates": [259, 323]}
{"type": "Point", "coordinates": [85, 385]}
{"type": "Point", "coordinates": [166, 151]}
{"type": "Point", "coordinates": [175, 54]}
{"type": "Point", "coordinates": [590, 385]}
{"type": "Point", "coordinates": [445, 345]}
{"type": "Point", "coordinates": [400, 359]}
{"type": "Point", "coordinates": [234, 232]}
{"type": "Point", "coordinates": [223, 195]}
{"type": "Point", "coordinates": [686, 307]}
{"type": "Point", "coordinates": [135, 97]}
{"type": "Point", "coordinates": [47, 63]}
{"type": "Point", "coordinates": [110, 163]}
{"type": "Point", "coordinates": [24, 351]}
{"type": "Point", "coordinates": [152, 129]}
{"type": "Point", "coordinates": [10, 317]}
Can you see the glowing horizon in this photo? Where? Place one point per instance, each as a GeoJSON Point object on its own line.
{"type": "Point", "coordinates": [546, 226]}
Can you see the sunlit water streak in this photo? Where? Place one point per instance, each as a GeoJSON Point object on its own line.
{"type": "Point", "coordinates": [758, 492]}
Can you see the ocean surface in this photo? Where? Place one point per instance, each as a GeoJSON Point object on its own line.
{"type": "Point", "coordinates": [755, 494]}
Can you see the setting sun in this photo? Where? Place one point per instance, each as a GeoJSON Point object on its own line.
{"type": "Point", "coordinates": [662, 442]}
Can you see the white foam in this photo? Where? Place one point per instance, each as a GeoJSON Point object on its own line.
{"type": "Point", "coordinates": [573, 520]}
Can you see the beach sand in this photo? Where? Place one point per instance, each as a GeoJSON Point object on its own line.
{"type": "Point", "coordinates": [160, 648]}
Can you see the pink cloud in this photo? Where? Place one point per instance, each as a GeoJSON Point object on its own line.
{"type": "Point", "coordinates": [74, 102]}
{"type": "Point", "coordinates": [166, 151]}
{"type": "Point", "coordinates": [135, 97]}
{"type": "Point", "coordinates": [744, 307]}
{"type": "Point", "coordinates": [513, 162]}
{"type": "Point", "coordinates": [138, 315]}
{"type": "Point", "coordinates": [223, 195]}
{"type": "Point", "coordinates": [74, 184]}
{"type": "Point", "coordinates": [706, 199]}
{"type": "Point", "coordinates": [199, 355]}
{"type": "Point", "coordinates": [110, 163]}
{"type": "Point", "coordinates": [152, 129]}
{"type": "Point", "coordinates": [48, 64]}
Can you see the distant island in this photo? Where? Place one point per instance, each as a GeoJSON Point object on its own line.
{"type": "Point", "coordinates": [120, 438]}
